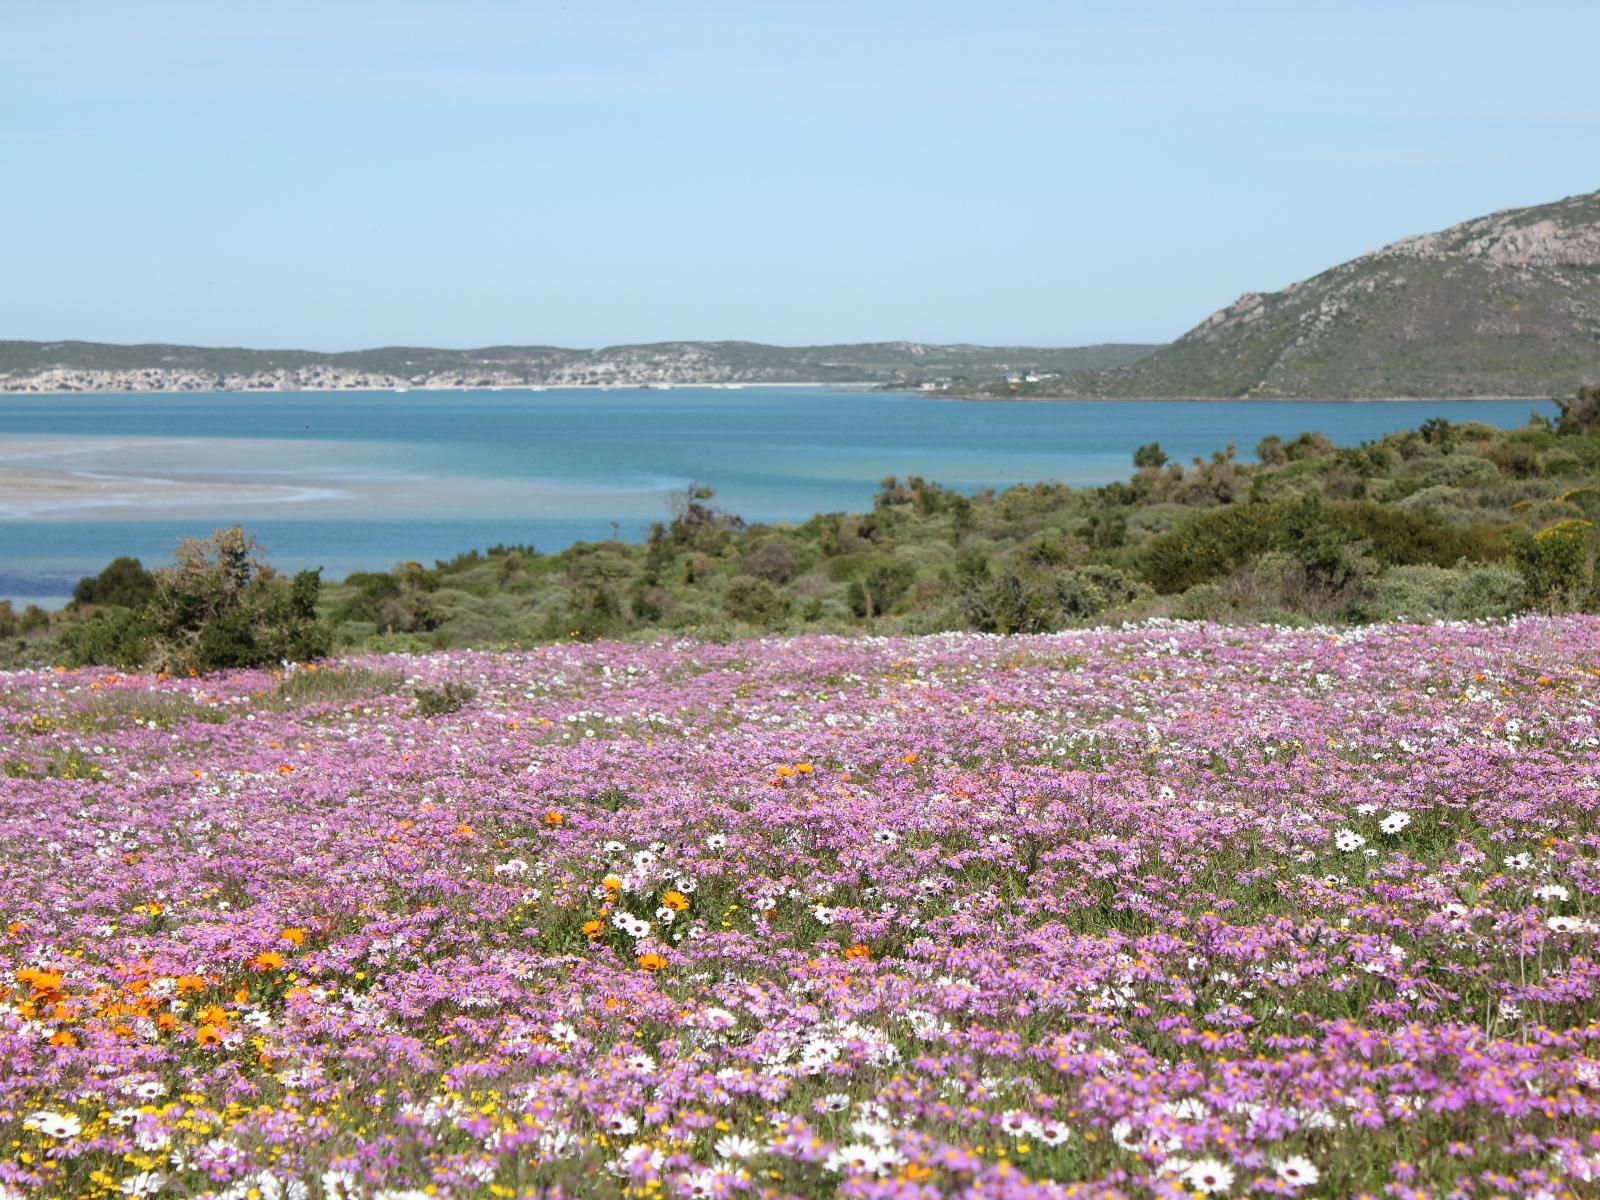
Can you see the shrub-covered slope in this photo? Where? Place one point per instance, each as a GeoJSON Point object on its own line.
{"type": "Point", "coordinates": [1503, 305]}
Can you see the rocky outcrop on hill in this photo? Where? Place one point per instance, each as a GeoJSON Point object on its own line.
{"type": "Point", "coordinates": [1503, 305]}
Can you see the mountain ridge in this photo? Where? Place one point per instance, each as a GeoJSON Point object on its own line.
{"type": "Point", "coordinates": [1502, 305]}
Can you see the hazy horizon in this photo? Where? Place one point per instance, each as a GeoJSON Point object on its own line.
{"type": "Point", "coordinates": [366, 175]}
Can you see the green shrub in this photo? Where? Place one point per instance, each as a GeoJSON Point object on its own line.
{"type": "Point", "coordinates": [1210, 545]}
{"type": "Point", "coordinates": [124, 583]}
{"type": "Point", "coordinates": [1556, 563]}
{"type": "Point", "coordinates": [1086, 592]}
{"type": "Point", "coordinates": [755, 602]}
{"type": "Point", "coordinates": [1455, 470]}
{"type": "Point", "coordinates": [876, 591]}
{"type": "Point", "coordinates": [118, 638]}
{"type": "Point", "coordinates": [221, 605]}
{"type": "Point", "coordinates": [1202, 602]}
{"type": "Point", "coordinates": [448, 697]}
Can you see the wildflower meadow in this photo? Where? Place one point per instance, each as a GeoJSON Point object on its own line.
{"type": "Point", "coordinates": [1171, 910]}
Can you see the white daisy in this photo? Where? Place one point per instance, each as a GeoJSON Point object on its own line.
{"type": "Point", "coordinates": [1297, 1171]}
{"type": "Point", "coordinates": [53, 1124]}
{"type": "Point", "coordinates": [736, 1146]}
{"type": "Point", "coordinates": [1395, 822]}
{"type": "Point", "coordinates": [1209, 1176]}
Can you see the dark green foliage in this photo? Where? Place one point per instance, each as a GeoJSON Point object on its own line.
{"type": "Point", "coordinates": [221, 605]}
{"type": "Point", "coordinates": [1151, 455]}
{"type": "Point", "coordinates": [1084, 593]}
{"type": "Point", "coordinates": [1580, 413]}
{"type": "Point", "coordinates": [1209, 545]}
{"type": "Point", "coordinates": [124, 583]}
{"type": "Point", "coordinates": [1214, 543]}
{"type": "Point", "coordinates": [399, 601]}
{"type": "Point", "coordinates": [875, 592]}
{"type": "Point", "coordinates": [754, 602]}
{"type": "Point", "coordinates": [1557, 563]}
{"type": "Point", "coordinates": [448, 697]}
{"type": "Point", "coordinates": [119, 638]}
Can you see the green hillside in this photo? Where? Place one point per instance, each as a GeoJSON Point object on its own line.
{"type": "Point", "coordinates": [1504, 305]}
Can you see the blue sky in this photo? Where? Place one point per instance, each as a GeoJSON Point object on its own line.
{"type": "Point", "coordinates": [346, 174]}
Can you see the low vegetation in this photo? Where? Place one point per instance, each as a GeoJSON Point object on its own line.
{"type": "Point", "coordinates": [1442, 522]}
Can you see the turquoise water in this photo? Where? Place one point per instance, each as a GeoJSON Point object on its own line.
{"type": "Point", "coordinates": [351, 481]}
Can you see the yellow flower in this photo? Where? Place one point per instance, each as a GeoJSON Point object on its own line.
{"type": "Point", "coordinates": [294, 935]}
{"type": "Point", "coordinates": [652, 961]}
{"type": "Point", "coordinates": [676, 901]}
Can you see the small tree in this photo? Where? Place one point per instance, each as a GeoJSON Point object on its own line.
{"type": "Point", "coordinates": [221, 605]}
{"type": "Point", "coordinates": [1580, 413]}
{"type": "Point", "coordinates": [124, 583]}
{"type": "Point", "coordinates": [1152, 456]}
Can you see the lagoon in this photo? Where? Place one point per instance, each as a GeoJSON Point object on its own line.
{"type": "Point", "coordinates": [363, 480]}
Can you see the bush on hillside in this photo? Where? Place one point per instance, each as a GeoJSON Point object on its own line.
{"type": "Point", "coordinates": [1557, 564]}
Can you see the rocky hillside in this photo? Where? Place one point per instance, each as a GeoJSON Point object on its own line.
{"type": "Point", "coordinates": [1504, 305]}
{"type": "Point", "coordinates": [101, 367]}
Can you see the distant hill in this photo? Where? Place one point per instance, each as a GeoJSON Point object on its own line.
{"type": "Point", "coordinates": [97, 366]}
{"type": "Point", "coordinates": [1504, 305]}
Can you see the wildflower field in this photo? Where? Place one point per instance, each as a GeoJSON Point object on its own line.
{"type": "Point", "coordinates": [1170, 910]}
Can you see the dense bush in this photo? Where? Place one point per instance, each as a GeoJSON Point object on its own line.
{"type": "Point", "coordinates": [220, 605]}
{"type": "Point", "coordinates": [124, 583]}
{"type": "Point", "coordinates": [755, 602]}
{"type": "Point", "coordinates": [1557, 564]}
{"type": "Point", "coordinates": [1311, 532]}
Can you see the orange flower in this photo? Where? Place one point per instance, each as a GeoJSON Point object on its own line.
{"type": "Point", "coordinates": [40, 981]}
{"type": "Point", "coordinates": [190, 983]}
{"type": "Point", "coordinates": [294, 935]}
{"type": "Point", "coordinates": [908, 758]}
{"type": "Point", "coordinates": [611, 883]}
{"type": "Point", "coordinates": [213, 1014]}
{"type": "Point", "coordinates": [593, 929]}
{"type": "Point", "coordinates": [859, 950]}
{"type": "Point", "coordinates": [803, 768]}
{"type": "Point", "coordinates": [208, 1035]}
{"type": "Point", "coordinates": [464, 831]}
{"type": "Point", "coordinates": [553, 818]}
{"type": "Point", "coordinates": [652, 961]}
{"type": "Point", "coordinates": [63, 1038]}
{"type": "Point", "coordinates": [267, 960]}
{"type": "Point", "coordinates": [676, 901]}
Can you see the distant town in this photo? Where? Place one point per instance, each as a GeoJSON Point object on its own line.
{"type": "Point", "coordinates": [65, 367]}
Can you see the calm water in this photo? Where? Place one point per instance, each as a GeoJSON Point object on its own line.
{"type": "Point", "coordinates": [362, 481]}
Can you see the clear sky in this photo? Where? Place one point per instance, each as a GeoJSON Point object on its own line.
{"type": "Point", "coordinates": [342, 174]}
